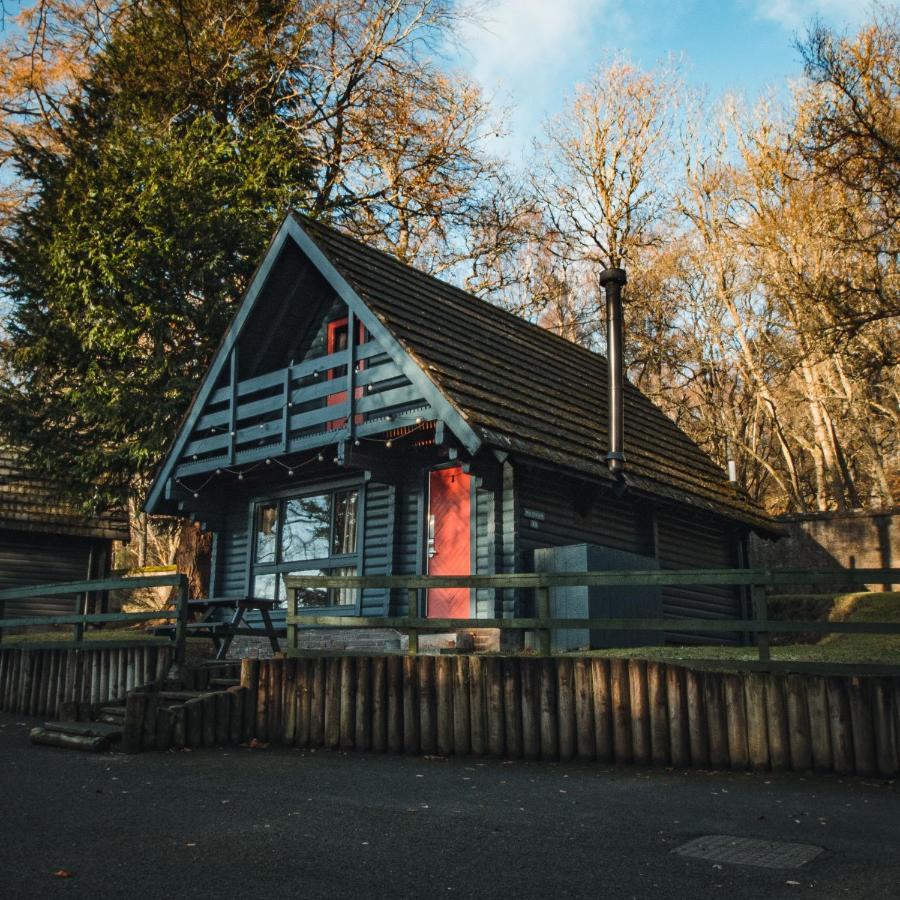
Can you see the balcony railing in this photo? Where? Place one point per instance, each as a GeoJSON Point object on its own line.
{"type": "Point", "coordinates": [303, 406]}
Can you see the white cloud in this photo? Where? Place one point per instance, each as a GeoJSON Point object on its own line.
{"type": "Point", "coordinates": [529, 52]}
{"type": "Point", "coordinates": [794, 15]}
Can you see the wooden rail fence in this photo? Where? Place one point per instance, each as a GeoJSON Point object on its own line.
{"type": "Point", "coordinates": [760, 626]}
{"type": "Point", "coordinates": [588, 708]}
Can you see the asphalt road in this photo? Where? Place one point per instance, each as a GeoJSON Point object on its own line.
{"type": "Point", "coordinates": [288, 823]}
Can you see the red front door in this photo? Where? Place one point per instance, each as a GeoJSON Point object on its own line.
{"type": "Point", "coordinates": [449, 540]}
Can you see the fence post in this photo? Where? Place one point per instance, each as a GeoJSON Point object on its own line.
{"type": "Point", "coordinates": [543, 612]}
{"type": "Point", "coordinates": [413, 614]}
{"type": "Point", "coordinates": [761, 614]}
{"type": "Point", "coordinates": [181, 626]}
{"type": "Point", "coordinates": [291, 632]}
{"type": "Point", "coordinates": [80, 609]}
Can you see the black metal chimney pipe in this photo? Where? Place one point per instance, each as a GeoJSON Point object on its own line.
{"type": "Point", "coordinates": [612, 281]}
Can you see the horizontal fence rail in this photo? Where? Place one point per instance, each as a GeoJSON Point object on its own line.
{"type": "Point", "coordinates": [79, 618]}
{"type": "Point", "coordinates": [754, 580]}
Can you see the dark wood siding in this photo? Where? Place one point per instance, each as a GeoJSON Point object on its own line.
{"type": "Point", "coordinates": [485, 549]}
{"type": "Point", "coordinates": [27, 559]}
{"type": "Point", "coordinates": [378, 545]}
{"type": "Point", "coordinates": [407, 529]}
{"type": "Point", "coordinates": [233, 547]}
{"type": "Point", "coordinates": [690, 542]}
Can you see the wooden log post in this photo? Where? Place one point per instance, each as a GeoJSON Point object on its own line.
{"type": "Point", "coordinates": [332, 703]}
{"type": "Point", "coordinates": [443, 687]}
{"type": "Point", "coordinates": [179, 727]}
{"type": "Point", "coordinates": [152, 704]}
{"type": "Point", "coordinates": [494, 705]}
{"type": "Point", "coordinates": [659, 713]}
{"type": "Point", "coordinates": [410, 706]}
{"type": "Point", "coordinates": [193, 714]}
{"type": "Point", "coordinates": [640, 711]}
{"type": "Point", "coordinates": [531, 708]}
{"type": "Point", "coordinates": [317, 704]}
{"type": "Point", "coordinates": [362, 737]}
{"type": "Point", "coordinates": [223, 718]}
{"type": "Point", "coordinates": [262, 700]}
{"type": "Point", "coordinates": [565, 709]}
{"type": "Point", "coordinates": [165, 727]}
{"type": "Point", "coordinates": [717, 730]}
{"type": "Point", "coordinates": [428, 708]}
{"type": "Point", "coordinates": [585, 737]}
{"type": "Point", "coordinates": [736, 721]}
{"type": "Point", "coordinates": [379, 704]}
{"type": "Point", "coordinates": [620, 696]}
{"type": "Point", "coordinates": [512, 708]}
{"type": "Point", "coordinates": [133, 729]}
{"type": "Point", "coordinates": [461, 715]}
{"type": "Point", "coordinates": [819, 724]}
{"type": "Point", "coordinates": [777, 723]}
{"type": "Point", "coordinates": [348, 703]}
{"type": "Point", "coordinates": [839, 726]}
{"type": "Point", "coordinates": [236, 695]}
{"type": "Point", "coordinates": [757, 726]}
{"type": "Point", "coordinates": [799, 741]}
{"type": "Point", "coordinates": [210, 710]}
{"type": "Point", "coordinates": [886, 729]}
{"type": "Point", "coordinates": [601, 712]}
{"type": "Point", "coordinates": [250, 681]}
{"type": "Point", "coordinates": [859, 695]}
{"type": "Point", "coordinates": [394, 678]}
{"type": "Point", "coordinates": [275, 695]}
{"type": "Point", "coordinates": [676, 702]}
{"type": "Point", "coordinates": [478, 719]}
{"type": "Point", "coordinates": [549, 731]}
{"type": "Point", "coordinates": [303, 702]}
{"type": "Point", "coordinates": [289, 703]}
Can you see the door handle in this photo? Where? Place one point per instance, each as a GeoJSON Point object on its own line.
{"type": "Point", "coordinates": [432, 549]}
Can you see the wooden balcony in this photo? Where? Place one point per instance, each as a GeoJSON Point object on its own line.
{"type": "Point", "coordinates": [311, 404]}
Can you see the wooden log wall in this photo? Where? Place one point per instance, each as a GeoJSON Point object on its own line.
{"type": "Point", "coordinates": [37, 682]}
{"type": "Point", "coordinates": [592, 709]}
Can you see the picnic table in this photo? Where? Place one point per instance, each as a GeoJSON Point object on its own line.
{"type": "Point", "coordinates": [205, 621]}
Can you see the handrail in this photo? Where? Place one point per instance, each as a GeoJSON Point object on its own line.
{"type": "Point", "coordinates": [79, 619]}
{"type": "Point", "coordinates": [543, 623]}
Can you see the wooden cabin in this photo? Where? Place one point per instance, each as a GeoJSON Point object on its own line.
{"type": "Point", "coordinates": [44, 540]}
{"type": "Point", "coordinates": [361, 417]}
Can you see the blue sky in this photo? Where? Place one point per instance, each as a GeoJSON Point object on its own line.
{"type": "Point", "coordinates": [530, 54]}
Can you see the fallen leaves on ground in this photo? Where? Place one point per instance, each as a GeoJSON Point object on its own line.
{"type": "Point", "coordinates": [63, 873]}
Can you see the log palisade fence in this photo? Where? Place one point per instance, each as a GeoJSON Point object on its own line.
{"type": "Point", "coordinates": [564, 708]}
{"type": "Point", "coordinates": [38, 678]}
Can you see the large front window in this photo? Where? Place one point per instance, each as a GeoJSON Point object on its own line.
{"type": "Point", "coordinates": [313, 534]}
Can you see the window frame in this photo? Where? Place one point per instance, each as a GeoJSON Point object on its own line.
{"type": "Point", "coordinates": [281, 497]}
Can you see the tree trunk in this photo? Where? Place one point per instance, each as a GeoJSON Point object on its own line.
{"type": "Point", "coordinates": [192, 557]}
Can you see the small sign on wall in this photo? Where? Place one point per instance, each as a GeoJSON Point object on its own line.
{"type": "Point", "coordinates": [534, 516]}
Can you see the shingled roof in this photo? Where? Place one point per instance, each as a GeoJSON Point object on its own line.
{"type": "Point", "coordinates": [524, 389]}
{"type": "Point", "coordinates": [28, 503]}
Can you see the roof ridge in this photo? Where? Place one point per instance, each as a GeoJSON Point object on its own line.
{"type": "Point", "coordinates": [468, 295]}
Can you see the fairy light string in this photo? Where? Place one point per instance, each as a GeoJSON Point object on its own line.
{"type": "Point", "coordinates": [292, 467]}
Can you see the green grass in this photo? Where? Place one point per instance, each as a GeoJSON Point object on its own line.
{"type": "Point", "coordinates": [833, 648]}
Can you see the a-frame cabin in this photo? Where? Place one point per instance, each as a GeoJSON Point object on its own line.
{"type": "Point", "coordinates": [361, 417]}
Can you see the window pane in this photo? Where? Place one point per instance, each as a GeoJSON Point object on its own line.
{"type": "Point", "coordinates": [344, 538]}
{"type": "Point", "coordinates": [266, 531]}
{"type": "Point", "coordinates": [317, 598]}
{"type": "Point", "coordinates": [264, 586]}
{"type": "Point", "coordinates": [307, 522]}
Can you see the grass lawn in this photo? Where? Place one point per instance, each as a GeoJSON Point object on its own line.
{"type": "Point", "coordinates": [832, 648]}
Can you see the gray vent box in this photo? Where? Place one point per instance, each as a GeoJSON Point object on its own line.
{"type": "Point", "coordinates": [583, 602]}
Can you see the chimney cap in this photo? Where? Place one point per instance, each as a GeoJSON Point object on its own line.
{"type": "Point", "coordinates": [615, 276]}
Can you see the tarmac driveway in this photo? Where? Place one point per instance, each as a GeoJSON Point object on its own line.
{"type": "Point", "coordinates": [279, 822]}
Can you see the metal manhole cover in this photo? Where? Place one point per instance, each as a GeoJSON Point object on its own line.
{"type": "Point", "coordinates": [724, 848]}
